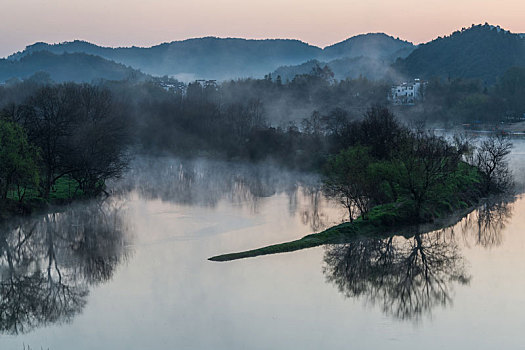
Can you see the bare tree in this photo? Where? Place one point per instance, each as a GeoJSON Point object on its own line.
{"type": "Point", "coordinates": [97, 142]}
{"type": "Point", "coordinates": [348, 180]}
{"type": "Point", "coordinates": [425, 163]}
{"type": "Point", "coordinates": [491, 160]}
{"type": "Point", "coordinates": [47, 117]}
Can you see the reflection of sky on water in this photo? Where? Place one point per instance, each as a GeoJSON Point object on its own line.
{"type": "Point", "coordinates": [167, 295]}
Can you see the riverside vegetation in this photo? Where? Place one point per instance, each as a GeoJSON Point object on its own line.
{"type": "Point", "coordinates": [391, 177]}
{"type": "Point", "coordinates": [60, 142]}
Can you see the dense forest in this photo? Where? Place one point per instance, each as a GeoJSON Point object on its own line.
{"type": "Point", "coordinates": [482, 52]}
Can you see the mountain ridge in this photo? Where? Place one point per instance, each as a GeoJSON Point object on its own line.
{"type": "Point", "coordinates": [223, 58]}
{"type": "Point", "coordinates": [482, 52]}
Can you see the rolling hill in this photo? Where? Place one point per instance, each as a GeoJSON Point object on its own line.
{"type": "Point", "coordinates": [76, 67]}
{"type": "Point", "coordinates": [480, 52]}
{"type": "Point", "coordinates": [216, 58]}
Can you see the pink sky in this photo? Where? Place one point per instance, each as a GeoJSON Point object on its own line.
{"type": "Point", "coordinates": [321, 23]}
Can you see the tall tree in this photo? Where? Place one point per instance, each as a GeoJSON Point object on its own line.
{"type": "Point", "coordinates": [18, 161]}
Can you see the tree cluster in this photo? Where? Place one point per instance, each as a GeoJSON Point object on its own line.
{"type": "Point", "coordinates": [382, 162]}
{"type": "Point", "coordinates": [66, 130]}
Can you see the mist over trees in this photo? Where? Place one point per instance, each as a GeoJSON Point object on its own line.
{"type": "Point", "coordinates": [246, 119]}
{"type": "Point", "coordinates": [86, 133]}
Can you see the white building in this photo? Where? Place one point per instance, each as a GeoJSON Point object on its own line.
{"type": "Point", "coordinates": [407, 94]}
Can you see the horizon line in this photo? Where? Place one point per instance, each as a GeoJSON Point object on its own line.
{"type": "Point", "coordinates": [250, 39]}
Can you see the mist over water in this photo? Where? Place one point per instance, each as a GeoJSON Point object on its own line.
{"type": "Point", "coordinates": [131, 271]}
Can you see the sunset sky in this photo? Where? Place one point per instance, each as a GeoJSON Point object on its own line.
{"type": "Point", "coordinates": [146, 23]}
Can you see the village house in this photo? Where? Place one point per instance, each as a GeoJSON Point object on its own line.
{"type": "Point", "coordinates": [407, 94]}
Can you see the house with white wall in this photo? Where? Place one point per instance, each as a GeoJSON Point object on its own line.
{"type": "Point", "coordinates": [407, 94]}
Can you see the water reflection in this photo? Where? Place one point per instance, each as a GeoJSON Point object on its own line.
{"type": "Point", "coordinates": [312, 213]}
{"type": "Point", "coordinates": [409, 277]}
{"type": "Point", "coordinates": [484, 227]}
{"type": "Point", "coordinates": [48, 263]}
{"type": "Point", "coordinates": [205, 183]}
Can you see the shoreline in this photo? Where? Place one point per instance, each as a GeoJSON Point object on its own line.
{"type": "Point", "coordinates": [352, 231]}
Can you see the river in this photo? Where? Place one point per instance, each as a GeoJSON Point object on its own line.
{"type": "Point", "coordinates": [131, 271]}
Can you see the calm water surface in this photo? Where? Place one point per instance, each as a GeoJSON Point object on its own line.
{"type": "Point", "coordinates": [131, 272]}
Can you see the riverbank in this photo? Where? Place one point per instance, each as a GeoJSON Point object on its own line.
{"type": "Point", "coordinates": [64, 191]}
{"type": "Point", "coordinates": [383, 221]}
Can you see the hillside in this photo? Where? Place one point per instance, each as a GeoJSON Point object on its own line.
{"type": "Point", "coordinates": [367, 55]}
{"type": "Point", "coordinates": [210, 58]}
{"type": "Point", "coordinates": [77, 67]}
{"type": "Point", "coordinates": [374, 45]}
{"type": "Point", "coordinates": [343, 68]}
{"type": "Point", "coordinates": [482, 52]}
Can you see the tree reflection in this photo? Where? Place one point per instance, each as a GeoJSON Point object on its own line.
{"type": "Point", "coordinates": [485, 225]}
{"type": "Point", "coordinates": [48, 263]}
{"type": "Point", "coordinates": [409, 277]}
{"type": "Point", "coordinates": [406, 277]}
{"type": "Point", "coordinates": [207, 183]}
{"type": "Point", "coordinates": [312, 213]}
{"type": "Point", "coordinates": [204, 182]}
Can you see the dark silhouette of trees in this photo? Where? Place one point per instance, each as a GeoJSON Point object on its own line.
{"type": "Point", "coordinates": [79, 131]}
{"type": "Point", "coordinates": [491, 159]}
{"type": "Point", "coordinates": [381, 131]}
{"type": "Point", "coordinates": [424, 165]}
{"type": "Point", "coordinates": [97, 143]}
{"type": "Point", "coordinates": [349, 179]}
{"type": "Point", "coordinates": [389, 163]}
{"type": "Point", "coordinates": [48, 117]}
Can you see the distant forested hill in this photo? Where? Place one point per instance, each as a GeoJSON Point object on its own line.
{"type": "Point", "coordinates": [216, 58]}
{"type": "Point", "coordinates": [368, 55]}
{"type": "Point", "coordinates": [482, 52]}
{"type": "Point", "coordinates": [375, 45]}
{"type": "Point", "coordinates": [209, 58]}
{"type": "Point", "coordinates": [77, 67]}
